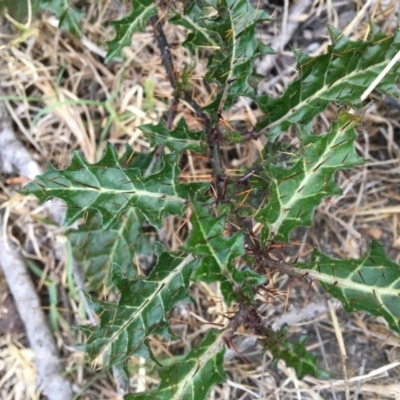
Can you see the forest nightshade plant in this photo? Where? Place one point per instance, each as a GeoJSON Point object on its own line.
{"type": "Point", "coordinates": [117, 196]}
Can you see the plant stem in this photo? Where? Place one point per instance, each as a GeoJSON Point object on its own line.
{"type": "Point", "coordinates": [166, 57]}
{"type": "Point", "coordinates": [212, 133]}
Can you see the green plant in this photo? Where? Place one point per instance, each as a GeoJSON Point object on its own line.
{"type": "Point", "coordinates": [118, 196]}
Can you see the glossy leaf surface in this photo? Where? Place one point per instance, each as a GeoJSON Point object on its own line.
{"type": "Point", "coordinates": [111, 189]}
{"type": "Point", "coordinates": [97, 249]}
{"type": "Point", "coordinates": [180, 138]}
{"type": "Point", "coordinates": [193, 377]}
{"type": "Point", "coordinates": [341, 76]}
{"type": "Point", "coordinates": [141, 311]}
{"type": "Point", "coordinates": [217, 252]}
{"type": "Point", "coordinates": [296, 191]}
{"type": "Point", "coordinates": [370, 283]}
{"type": "Point", "coordinates": [227, 28]}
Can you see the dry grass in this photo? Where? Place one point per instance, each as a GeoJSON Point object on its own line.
{"type": "Point", "coordinates": [62, 97]}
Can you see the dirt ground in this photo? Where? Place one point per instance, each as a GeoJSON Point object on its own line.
{"type": "Point", "coordinates": [60, 96]}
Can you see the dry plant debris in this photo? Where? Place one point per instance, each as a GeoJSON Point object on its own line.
{"type": "Point", "coordinates": [61, 96]}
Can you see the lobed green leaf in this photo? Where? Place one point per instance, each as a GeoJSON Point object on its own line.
{"type": "Point", "coordinates": [97, 249]}
{"type": "Point", "coordinates": [227, 28]}
{"type": "Point", "coordinates": [192, 19]}
{"type": "Point", "coordinates": [69, 16]}
{"type": "Point", "coordinates": [370, 283]}
{"type": "Point", "coordinates": [111, 189]}
{"type": "Point", "coordinates": [295, 354]}
{"type": "Point", "coordinates": [124, 327]}
{"type": "Point", "coordinates": [296, 191]}
{"type": "Point", "coordinates": [126, 27]}
{"type": "Point", "coordinates": [193, 377]}
{"type": "Point", "coordinates": [217, 254]}
{"type": "Point", "coordinates": [178, 139]}
{"type": "Point", "coordinates": [341, 76]}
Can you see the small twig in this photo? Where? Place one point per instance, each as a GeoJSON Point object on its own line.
{"type": "Point", "coordinates": [287, 268]}
{"type": "Point", "coordinates": [358, 386]}
{"type": "Point", "coordinates": [168, 64]}
{"type": "Point", "coordinates": [218, 169]}
{"type": "Point", "coordinates": [48, 365]}
{"type": "Point", "coordinates": [14, 157]}
{"type": "Point", "coordinates": [342, 347]}
{"type": "Point", "coordinates": [252, 135]}
{"type": "Point", "coordinates": [166, 59]}
{"type": "Point", "coordinates": [324, 356]}
{"type": "Point", "coordinates": [249, 174]}
{"type": "Point", "coordinates": [163, 45]}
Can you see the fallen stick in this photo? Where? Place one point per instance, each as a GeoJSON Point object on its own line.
{"type": "Point", "coordinates": [15, 158]}
{"type": "Point", "coordinates": [48, 365]}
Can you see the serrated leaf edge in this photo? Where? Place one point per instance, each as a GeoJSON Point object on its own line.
{"type": "Point", "coordinates": [160, 284]}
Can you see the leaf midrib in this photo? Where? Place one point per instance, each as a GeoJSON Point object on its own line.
{"type": "Point", "coordinates": [137, 313]}
{"type": "Point", "coordinates": [203, 32]}
{"type": "Point", "coordinates": [197, 366]}
{"type": "Point", "coordinates": [307, 176]}
{"type": "Point", "coordinates": [317, 94]}
{"type": "Point", "coordinates": [346, 283]}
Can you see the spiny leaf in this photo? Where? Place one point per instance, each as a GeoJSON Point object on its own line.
{"type": "Point", "coordinates": [193, 377]}
{"type": "Point", "coordinates": [231, 66]}
{"type": "Point", "coordinates": [370, 283]}
{"type": "Point", "coordinates": [69, 16]}
{"type": "Point", "coordinates": [218, 253]}
{"type": "Point", "coordinates": [97, 249]}
{"type": "Point", "coordinates": [126, 27]}
{"type": "Point", "coordinates": [295, 354]}
{"type": "Point", "coordinates": [233, 28]}
{"type": "Point", "coordinates": [340, 76]}
{"type": "Point", "coordinates": [141, 161]}
{"type": "Point", "coordinates": [178, 139]}
{"type": "Point", "coordinates": [296, 191]}
{"type": "Point", "coordinates": [200, 36]}
{"type": "Point", "coordinates": [141, 311]}
{"type": "Point", "coordinates": [110, 189]}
